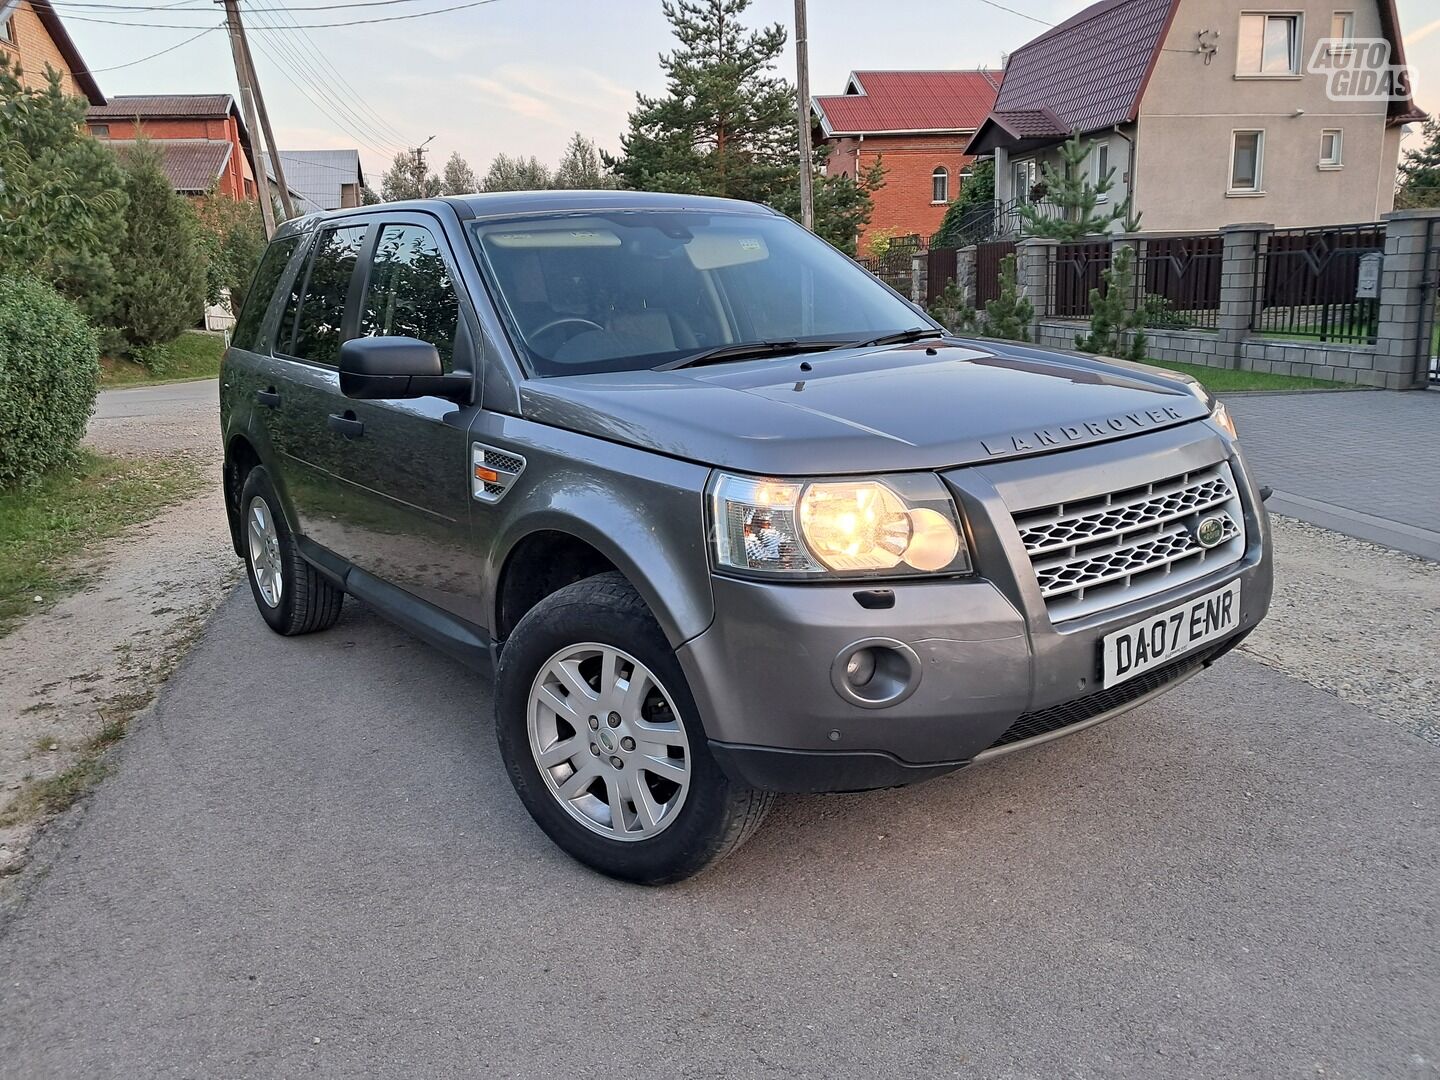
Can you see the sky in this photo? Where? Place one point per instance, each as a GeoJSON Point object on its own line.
{"type": "Point", "coordinates": [520, 76]}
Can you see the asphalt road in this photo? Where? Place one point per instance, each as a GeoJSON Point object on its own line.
{"type": "Point", "coordinates": [309, 861]}
{"type": "Point", "coordinates": [160, 400]}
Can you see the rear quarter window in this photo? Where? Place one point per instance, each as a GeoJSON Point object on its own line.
{"type": "Point", "coordinates": [262, 288]}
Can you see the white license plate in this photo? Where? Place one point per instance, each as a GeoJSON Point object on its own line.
{"type": "Point", "coordinates": [1167, 634]}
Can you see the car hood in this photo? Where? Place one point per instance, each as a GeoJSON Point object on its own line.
{"type": "Point", "coordinates": [926, 405]}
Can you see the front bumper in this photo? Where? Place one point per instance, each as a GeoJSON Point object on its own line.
{"type": "Point", "coordinates": [996, 674]}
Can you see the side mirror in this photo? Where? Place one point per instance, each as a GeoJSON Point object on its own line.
{"type": "Point", "coordinates": [396, 367]}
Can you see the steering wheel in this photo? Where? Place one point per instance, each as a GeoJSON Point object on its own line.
{"type": "Point", "coordinates": [565, 320]}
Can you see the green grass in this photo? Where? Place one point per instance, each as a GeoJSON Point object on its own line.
{"type": "Point", "coordinates": [195, 354]}
{"type": "Point", "coordinates": [1225, 380]}
{"type": "Point", "coordinates": [45, 527]}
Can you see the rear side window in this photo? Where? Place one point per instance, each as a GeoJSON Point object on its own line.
{"type": "Point", "coordinates": [322, 308]}
{"type": "Point", "coordinates": [262, 287]}
{"type": "Point", "coordinates": [410, 293]}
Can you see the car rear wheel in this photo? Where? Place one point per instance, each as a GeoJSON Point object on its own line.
{"type": "Point", "coordinates": [600, 735]}
{"type": "Point", "coordinates": [291, 595]}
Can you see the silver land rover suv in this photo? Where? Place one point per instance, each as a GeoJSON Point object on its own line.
{"type": "Point", "coordinates": [724, 514]}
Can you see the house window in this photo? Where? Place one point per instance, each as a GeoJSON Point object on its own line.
{"type": "Point", "coordinates": [940, 185]}
{"type": "Point", "coordinates": [1269, 45]}
{"type": "Point", "coordinates": [1100, 155]}
{"type": "Point", "coordinates": [7, 30]}
{"type": "Point", "coordinates": [1023, 174]}
{"type": "Point", "coordinates": [1330, 149]}
{"type": "Point", "coordinates": [1247, 153]}
{"type": "Point", "coordinates": [1342, 32]}
{"type": "Point", "coordinates": [100, 131]}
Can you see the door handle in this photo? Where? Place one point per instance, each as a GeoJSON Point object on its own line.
{"type": "Point", "coordinates": [268, 398]}
{"type": "Point", "coordinates": [346, 425]}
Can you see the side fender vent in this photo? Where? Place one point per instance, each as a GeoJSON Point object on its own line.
{"type": "Point", "coordinates": [493, 472]}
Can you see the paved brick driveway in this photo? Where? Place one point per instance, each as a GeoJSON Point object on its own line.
{"type": "Point", "coordinates": [1364, 463]}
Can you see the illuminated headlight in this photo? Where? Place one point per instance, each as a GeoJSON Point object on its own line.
{"type": "Point", "coordinates": [866, 527]}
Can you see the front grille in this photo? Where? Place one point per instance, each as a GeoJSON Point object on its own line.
{"type": "Point", "coordinates": [1069, 713]}
{"type": "Point", "coordinates": [1096, 553]}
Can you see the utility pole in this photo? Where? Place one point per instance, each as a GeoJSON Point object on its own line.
{"type": "Point", "coordinates": [285, 200]}
{"type": "Point", "coordinates": [247, 106]}
{"type": "Point", "coordinates": [802, 108]}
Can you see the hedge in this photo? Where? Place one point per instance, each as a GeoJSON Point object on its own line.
{"type": "Point", "coordinates": [49, 376]}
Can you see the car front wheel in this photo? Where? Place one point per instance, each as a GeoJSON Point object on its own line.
{"type": "Point", "coordinates": [600, 736]}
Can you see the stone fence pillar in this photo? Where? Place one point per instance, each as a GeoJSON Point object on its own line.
{"type": "Point", "coordinates": [1401, 358]}
{"type": "Point", "coordinates": [965, 275]}
{"type": "Point", "coordinates": [1239, 274]}
{"type": "Point", "coordinates": [1033, 259]}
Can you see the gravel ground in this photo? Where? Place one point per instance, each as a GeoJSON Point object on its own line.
{"type": "Point", "coordinates": [100, 654]}
{"type": "Point", "coordinates": [1359, 621]}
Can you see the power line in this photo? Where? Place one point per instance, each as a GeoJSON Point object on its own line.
{"type": "Point", "coordinates": [348, 117]}
{"type": "Point", "coordinates": [296, 26]}
{"type": "Point", "coordinates": [1012, 11]}
{"type": "Point", "coordinates": [98, 5]}
{"type": "Point", "coordinates": [152, 56]}
{"type": "Point", "coordinates": [283, 68]}
{"type": "Point", "coordinates": [313, 47]}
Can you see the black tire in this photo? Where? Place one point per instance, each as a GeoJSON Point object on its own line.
{"type": "Point", "coordinates": [718, 814]}
{"type": "Point", "coordinates": [308, 601]}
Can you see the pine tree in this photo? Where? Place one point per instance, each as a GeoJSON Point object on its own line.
{"type": "Point", "coordinates": [726, 124]}
{"type": "Point", "coordinates": [516, 174]}
{"type": "Point", "coordinates": [580, 168]}
{"type": "Point", "coordinates": [1420, 171]}
{"type": "Point", "coordinates": [1115, 329]}
{"type": "Point", "coordinates": [409, 178]}
{"type": "Point", "coordinates": [1070, 190]}
{"type": "Point", "coordinates": [1009, 315]}
{"type": "Point", "coordinates": [160, 265]}
{"type": "Point", "coordinates": [62, 197]}
{"type": "Point", "coordinates": [458, 178]}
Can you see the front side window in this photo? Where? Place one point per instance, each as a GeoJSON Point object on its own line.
{"type": "Point", "coordinates": [321, 310]}
{"type": "Point", "coordinates": [1330, 149]}
{"type": "Point", "coordinates": [1269, 45]}
{"type": "Point", "coordinates": [1246, 158]}
{"type": "Point", "coordinates": [410, 293]}
{"type": "Point", "coordinates": [257, 299]}
{"type": "Point", "coordinates": [940, 185]}
{"type": "Point", "coordinates": [598, 292]}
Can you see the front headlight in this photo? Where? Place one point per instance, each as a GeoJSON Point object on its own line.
{"type": "Point", "coordinates": [1221, 415]}
{"type": "Point", "coordinates": [865, 527]}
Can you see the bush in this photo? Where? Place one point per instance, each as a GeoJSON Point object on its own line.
{"type": "Point", "coordinates": [49, 375]}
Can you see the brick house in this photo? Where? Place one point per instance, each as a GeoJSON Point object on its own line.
{"type": "Point", "coordinates": [1210, 112]}
{"type": "Point", "coordinates": [32, 36]}
{"type": "Point", "coordinates": [917, 124]}
{"type": "Point", "coordinates": [202, 140]}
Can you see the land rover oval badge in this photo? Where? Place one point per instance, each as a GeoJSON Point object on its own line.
{"type": "Point", "coordinates": [1210, 531]}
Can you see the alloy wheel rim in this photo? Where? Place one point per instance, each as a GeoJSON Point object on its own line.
{"type": "Point", "coordinates": [265, 552]}
{"type": "Point", "coordinates": [607, 739]}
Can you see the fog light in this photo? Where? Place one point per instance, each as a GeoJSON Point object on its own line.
{"type": "Point", "coordinates": [860, 668]}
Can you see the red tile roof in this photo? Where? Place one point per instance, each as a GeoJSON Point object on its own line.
{"type": "Point", "coordinates": [909, 101]}
{"type": "Point", "coordinates": [192, 165]}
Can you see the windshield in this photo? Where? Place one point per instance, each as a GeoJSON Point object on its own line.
{"type": "Point", "coordinates": [636, 289]}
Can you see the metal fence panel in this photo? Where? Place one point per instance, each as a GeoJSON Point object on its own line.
{"type": "Point", "coordinates": [1076, 270]}
{"type": "Point", "coordinates": [1322, 284]}
{"type": "Point", "coordinates": [940, 269]}
{"type": "Point", "coordinates": [988, 258]}
{"type": "Point", "coordinates": [1177, 281]}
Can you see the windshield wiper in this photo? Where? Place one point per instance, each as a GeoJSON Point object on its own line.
{"type": "Point", "coordinates": [749, 350]}
{"type": "Point", "coordinates": [915, 333]}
